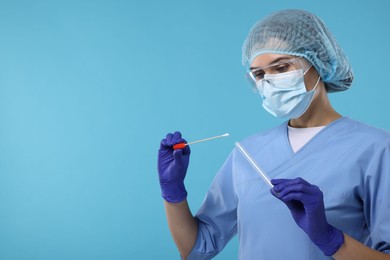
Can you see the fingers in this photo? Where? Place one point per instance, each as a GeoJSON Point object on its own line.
{"type": "Point", "coordinates": [299, 196]}
{"type": "Point", "coordinates": [166, 142]}
{"type": "Point", "coordinates": [170, 139]}
{"type": "Point", "coordinates": [295, 189]}
{"type": "Point", "coordinates": [173, 138]}
{"type": "Point", "coordinates": [274, 193]}
{"type": "Point", "coordinates": [176, 137]}
{"type": "Point", "coordinates": [163, 143]}
{"type": "Point", "coordinates": [297, 183]}
{"type": "Point", "coordinates": [177, 154]}
{"type": "Point", "coordinates": [296, 180]}
{"type": "Point", "coordinates": [181, 140]}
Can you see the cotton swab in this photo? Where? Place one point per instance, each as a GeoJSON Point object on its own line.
{"type": "Point", "coordinates": [182, 145]}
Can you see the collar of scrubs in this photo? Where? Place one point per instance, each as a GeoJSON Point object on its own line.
{"type": "Point", "coordinates": [316, 142]}
{"type": "Point", "coordinates": [298, 137]}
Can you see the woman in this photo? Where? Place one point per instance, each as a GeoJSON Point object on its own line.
{"type": "Point", "coordinates": [331, 174]}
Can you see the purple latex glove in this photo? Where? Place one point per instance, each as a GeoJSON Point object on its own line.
{"type": "Point", "coordinates": [306, 204]}
{"type": "Point", "coordinates": [172, 168]}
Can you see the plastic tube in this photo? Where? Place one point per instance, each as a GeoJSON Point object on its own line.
{"type": "Point", "coordinates": [254, 164]}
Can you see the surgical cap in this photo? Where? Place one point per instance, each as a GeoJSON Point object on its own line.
{"type": "Point", "coordinates": [300, 33]}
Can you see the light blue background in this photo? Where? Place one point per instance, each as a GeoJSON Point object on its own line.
{"type": "Point", "coordinates": [89, 88]}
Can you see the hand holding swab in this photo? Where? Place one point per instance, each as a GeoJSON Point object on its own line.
{"type": "Point", "coordinates": [182, 145]}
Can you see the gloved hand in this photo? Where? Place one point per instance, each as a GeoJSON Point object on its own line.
{"type": "Point", "coordinates": [306, 204]}
{"type": "Point", "coordinates": [172, 167]}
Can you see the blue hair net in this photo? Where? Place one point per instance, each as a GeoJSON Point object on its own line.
{"type": "Point", "coordinates": [300, 33]}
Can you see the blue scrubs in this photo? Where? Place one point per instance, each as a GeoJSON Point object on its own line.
{"type": "Point", "coordinates": [348, 160]}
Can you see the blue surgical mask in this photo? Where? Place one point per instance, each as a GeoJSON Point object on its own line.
{"type": "Point", "coordinates": [284, 94]}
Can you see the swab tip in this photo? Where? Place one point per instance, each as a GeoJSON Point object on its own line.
{"type": "Point", "coordinates": [227, 134]}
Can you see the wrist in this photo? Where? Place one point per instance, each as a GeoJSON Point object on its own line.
{"type": "Point", "coordinates": [334, 240]}
{"type": "Point", "coordinates": [173, 192]}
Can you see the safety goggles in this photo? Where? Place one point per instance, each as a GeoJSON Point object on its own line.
{"type": "Point", "coordinates": [289, 64]}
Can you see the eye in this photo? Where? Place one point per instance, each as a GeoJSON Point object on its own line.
{"type": "Point", "coordinates": [282, 68]}
{"type": "Point", "coordinates": [258, 74]}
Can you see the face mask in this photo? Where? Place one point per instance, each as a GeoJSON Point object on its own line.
{"type": "Point", "coordinates": [284, 94]}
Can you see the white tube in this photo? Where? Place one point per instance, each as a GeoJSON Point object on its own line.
{"type": "Point", "coordinates": [254, 164]}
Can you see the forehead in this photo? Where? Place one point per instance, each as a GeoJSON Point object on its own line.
{"type": "Point", "coordinates": [266, 59]}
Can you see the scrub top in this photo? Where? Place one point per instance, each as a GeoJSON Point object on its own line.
{"type": "Point", "coordinates": [349, 161]}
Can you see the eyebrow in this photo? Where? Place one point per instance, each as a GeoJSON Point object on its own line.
{"type": "Point", "coordinates": [272, 62]}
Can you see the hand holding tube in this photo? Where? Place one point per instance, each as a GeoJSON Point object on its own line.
{"type": "Point", "coordinates": [305, 201]}
{"type": "Point", "coordinates": [172, 168]}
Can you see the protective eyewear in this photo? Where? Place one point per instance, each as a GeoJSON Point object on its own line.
{"type": "Point", "coordinates": [289, 64]}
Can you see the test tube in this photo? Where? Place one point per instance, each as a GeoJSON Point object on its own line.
{"type": "Point", "coordinates": [254, 164]}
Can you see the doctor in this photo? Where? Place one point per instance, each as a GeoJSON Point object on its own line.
{"type": "Point", "coordinates": [331, 174]}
